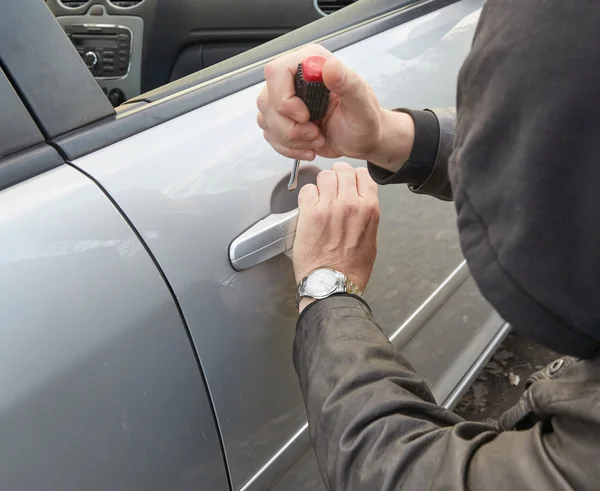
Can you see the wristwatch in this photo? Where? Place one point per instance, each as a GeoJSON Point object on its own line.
{"type": "Point", "coordinates": [323, 283]}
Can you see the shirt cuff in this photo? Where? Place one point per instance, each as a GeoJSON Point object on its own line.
{"type": "Point", "coordinates": [337, 299]}
{"type": "Point", "coordinates": [419, 165]}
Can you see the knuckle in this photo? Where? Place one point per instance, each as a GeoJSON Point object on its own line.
{"type": "Point", "coordinates": [288, 152]}
{"type": "Point", "coordinates": [351, 208]}
{"type": "Point", "coordinates": [319, 215]}
{"type": "Point", "coordinates": [287, 136]}
{"type": "Point", "coordinates": [373, 211]}
{"type": "Point", "coordinates": [285, 108]}
{"type": "Point", "coordinates": [343, 167]}
{"type": "Point", "coordinates": [325, 174]}
{"type": "Point", "coordinates": [270, 69]}
{"type": "Point", "coordinates": [262, 102]}
{"type": "Point", "coordinates": [295, 134]}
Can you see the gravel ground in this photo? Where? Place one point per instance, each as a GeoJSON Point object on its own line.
{"type": "Point", "coordinates": [501, 382]}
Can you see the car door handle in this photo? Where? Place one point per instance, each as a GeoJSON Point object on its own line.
{"type": "Point", "coordinates": [268, 238]}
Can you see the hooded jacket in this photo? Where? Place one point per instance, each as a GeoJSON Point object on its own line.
{"type": "Point", "coordinates": [522, 162]}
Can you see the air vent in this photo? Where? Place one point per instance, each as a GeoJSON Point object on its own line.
{"type": "Point", "coordinates": [331, 6]}
{"type": "Point", "coordinates": [125, 4]}
{"type": "Point", "coordinates": [74, 4]}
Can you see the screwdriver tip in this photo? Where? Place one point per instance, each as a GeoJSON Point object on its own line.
{"type": "Point", "coordinates": [293, 182]}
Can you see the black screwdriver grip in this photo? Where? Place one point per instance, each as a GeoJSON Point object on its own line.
{"type": "Point", "coordinates": [314, 94]}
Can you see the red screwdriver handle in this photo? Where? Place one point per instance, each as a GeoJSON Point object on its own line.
{"type": "Point", "coordinates": [310, 87]}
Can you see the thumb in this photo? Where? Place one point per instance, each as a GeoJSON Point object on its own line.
{"type": "Point", "coordinates": [346, 84]}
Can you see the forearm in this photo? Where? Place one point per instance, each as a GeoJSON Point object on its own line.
{"type": "Point", "coordinates": [369, 413]}
{"type": "Point", "coordinates": [374, 424]}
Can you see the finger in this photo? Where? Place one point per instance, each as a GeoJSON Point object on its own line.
{"type": "Point", "coordinates": [288, 135]}
{"type": "Point", "coordinates": [286, 128]}
{"type": "Point", "coordinates": [346, 180]}
{"type": "Point", "coordinates": [327, 184]}
{"type": "Point", "coordinates": [280, 74]}
{"type": "Point", "coordinates": [308, 196]}
{"type": "Point", "coordinates": [282, 92]}
{"type": "Point", "coordinates": [262, 124]}
{"type": "Point", "coordinates": [366, 186]}
{"type": "Point", "coordinates": [300, 154]}
{"type": "Point", "coordinates": [262, 101]}
{"type": "Point", "coordinates": [346, 84]}
{"type": "Point", "coordinates": [292, 134]}
{"type": "Point", "coordinates": [367, 189]}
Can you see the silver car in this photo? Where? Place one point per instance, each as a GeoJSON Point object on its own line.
{"type": "Point", "coordinates": [133, 356]}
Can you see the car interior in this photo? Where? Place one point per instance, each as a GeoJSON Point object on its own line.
{"type": "Point", "coordinates": [135, 46]}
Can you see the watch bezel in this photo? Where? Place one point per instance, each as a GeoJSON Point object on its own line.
{"type": "Point", "coordinates": [339, 283]}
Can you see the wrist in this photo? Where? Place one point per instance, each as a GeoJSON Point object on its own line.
{"type": "Point", "coordinates": [305, 302]}
{"type": "Point", "coordinates": [309, 291]}
{"type": "Point", "coordinates": [395, 142]}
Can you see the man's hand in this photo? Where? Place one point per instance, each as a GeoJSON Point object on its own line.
{"type": "Point", "coordinates": [337, 225]}
{"type": "Point", "coordinates": [355, 125]}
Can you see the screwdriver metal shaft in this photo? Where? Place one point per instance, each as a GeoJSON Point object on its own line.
{"type": "Point", "coordinates": [293, 184]}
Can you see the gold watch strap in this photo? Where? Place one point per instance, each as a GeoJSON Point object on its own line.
{"type": "Point", "coordinates": [353, 289]}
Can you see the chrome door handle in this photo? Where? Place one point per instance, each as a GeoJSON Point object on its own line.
{"type": "Point", "coordinates": [268, 238]}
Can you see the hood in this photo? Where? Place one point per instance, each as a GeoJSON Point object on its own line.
{"type": "Point", "coordinates": [525, 170]}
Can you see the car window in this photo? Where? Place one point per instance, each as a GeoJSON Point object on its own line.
{"type": "Point", "coordinates": [136, 46]}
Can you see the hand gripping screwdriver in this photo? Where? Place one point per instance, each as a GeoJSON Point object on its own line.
{"type": "Point", "coordinates": [311, 89]}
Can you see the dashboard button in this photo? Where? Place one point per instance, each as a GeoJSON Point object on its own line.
{"type": "Point", "coordinates": [90, 59]}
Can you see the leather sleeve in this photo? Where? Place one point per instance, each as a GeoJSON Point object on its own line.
{"type": "Point", "coordinates": [375, 426]}
{"type": "Point", "coordinates": [429, 176]}
{"type": "Point", "coordinates": [438, 182]}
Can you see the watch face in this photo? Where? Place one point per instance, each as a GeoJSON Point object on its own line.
{"type": "Point", "coordinates": [321, 282]}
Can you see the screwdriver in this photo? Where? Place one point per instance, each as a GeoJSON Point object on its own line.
{"type": "Point", "coordinates": [311, 89]}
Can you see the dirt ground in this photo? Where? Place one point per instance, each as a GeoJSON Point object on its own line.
{"type": "Point", "coordinates": [501, 382]}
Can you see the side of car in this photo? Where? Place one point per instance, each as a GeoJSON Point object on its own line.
{"type": "Point", "coordinates": [142, 358]}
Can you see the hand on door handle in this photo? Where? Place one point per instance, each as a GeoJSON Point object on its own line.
{"type": "Point", "coordinates": [268, 238]}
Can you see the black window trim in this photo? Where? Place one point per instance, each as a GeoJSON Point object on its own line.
{"type": "Point", "coordinates": [45, 70]}
{"type": "Point", "coordinates": [28, 163]}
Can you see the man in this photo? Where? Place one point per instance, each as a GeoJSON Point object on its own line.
{"type": "Point", "coordinates": [522, 164]}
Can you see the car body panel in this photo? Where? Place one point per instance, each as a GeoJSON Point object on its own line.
{"type": "Point", "coordinates": [193, 184]}
{"type": "Point", "coordinates": [100, 386]}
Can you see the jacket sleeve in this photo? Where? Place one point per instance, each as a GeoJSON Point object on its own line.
{"type": "Point", "coordinates": [425, 172]}
{"type": "Point", "coordinates": [374, 423]}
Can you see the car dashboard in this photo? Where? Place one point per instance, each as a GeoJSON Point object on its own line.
{"type": "Point", "coordinates": [135, 46]}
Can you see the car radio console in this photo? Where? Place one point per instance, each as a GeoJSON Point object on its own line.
{"type": "Point", "coordinates": [105, 49]}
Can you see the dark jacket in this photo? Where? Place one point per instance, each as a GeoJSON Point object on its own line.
{"type": "Point", "coordinates": [523, 167]}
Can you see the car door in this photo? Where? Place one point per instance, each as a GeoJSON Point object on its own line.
{"type": "Point", "coordinates": [188, 167]}
{"type": "Point", "coordinates": [101, 387]}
